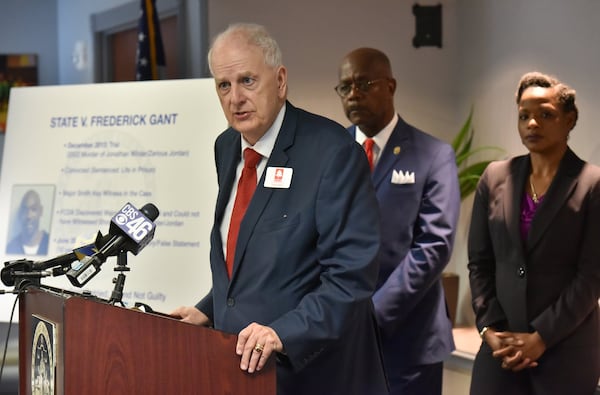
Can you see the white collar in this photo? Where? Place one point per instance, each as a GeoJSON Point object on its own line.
{"type": "Point", "coordinates": [380, 138]}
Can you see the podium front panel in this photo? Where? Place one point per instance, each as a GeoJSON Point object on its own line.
{"type": "Point", "coordinates": [106, 349]}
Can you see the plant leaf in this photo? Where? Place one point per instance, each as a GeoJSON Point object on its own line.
{"type": "Point", "coordinates": [468, 175]}
{"type": "Point", "coordinates": [460, 158]}
{"type": "Point", "coordinates": [474, 171]}
{"type": "Point", "coordinates": [465, 131]}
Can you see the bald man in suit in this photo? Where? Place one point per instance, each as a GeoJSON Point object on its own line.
{"type": "Point", "coordinates": [416, 182]}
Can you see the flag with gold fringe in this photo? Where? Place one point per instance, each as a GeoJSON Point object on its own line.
{"type": "Point", "coordinates": [150, 56]}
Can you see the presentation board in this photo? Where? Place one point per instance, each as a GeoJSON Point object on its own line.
{"type": "Point", "coordinates": [84, 152]}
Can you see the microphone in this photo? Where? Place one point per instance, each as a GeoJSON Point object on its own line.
{"type": "Point", "coordinates": [77, 254]}
{"type": "Point", "coordinates": [11, 270]}
{"type": "Point", "coordinates": [130, 231]}
{"type": "Point", "coordinates": [59, 265]}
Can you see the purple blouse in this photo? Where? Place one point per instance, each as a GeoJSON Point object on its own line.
{"type": "Point", "coordinates": [528, 208]}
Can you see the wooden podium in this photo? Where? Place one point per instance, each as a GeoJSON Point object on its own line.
{"type": "Point", "coordinates": [79, 345]}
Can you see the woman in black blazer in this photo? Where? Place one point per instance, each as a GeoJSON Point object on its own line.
{"type": "Point", "coordinates": [534, 256]}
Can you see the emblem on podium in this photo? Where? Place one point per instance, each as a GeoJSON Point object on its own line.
{"type": "Point", "coordinates": [43, 362]}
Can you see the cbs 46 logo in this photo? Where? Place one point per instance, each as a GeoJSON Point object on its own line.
{"type": "Point", "coordinates": [134, 223]}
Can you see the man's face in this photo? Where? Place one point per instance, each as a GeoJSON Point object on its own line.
{"type": "Point", "coordinates": [250, 91]}
{"type": "Point", "coordinates": [372, 107]}
{"type": "Point", "coordinates": [31, 212]}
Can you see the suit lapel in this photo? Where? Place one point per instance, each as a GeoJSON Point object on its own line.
{"type": "Point", "coordinates": [226, 177]}
{"type": "Point", "coordinates": [232, 157]}
{"type": "Point", "coordinates": [262, 195]}
{"type": "Point", "coordinates": [560, 190]}
{"type": "Point", "coordinates": [397, 142]}
{"type": "Point", "coordinates": [512, 195]}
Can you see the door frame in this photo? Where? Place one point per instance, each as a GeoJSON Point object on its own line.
{"type": "Point", "coordinates": [125, 17]}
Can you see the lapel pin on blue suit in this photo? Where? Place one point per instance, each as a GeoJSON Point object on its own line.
{"type": "Point", "coordinates": [397, 150]}
{"type": "Point", "coordinates": [278, 177]}
{"type": "Point", "coordinates": [403, 177]}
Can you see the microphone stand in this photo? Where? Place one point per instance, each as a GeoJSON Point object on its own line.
{"type": "Point", "coordinates": [119, 281]}
{"type": "Point", "coordinates": [21, 274]}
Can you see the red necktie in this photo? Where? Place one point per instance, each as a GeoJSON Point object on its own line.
{"type": "Point", "coordinates": [245, 190]}
{"type": "Point", "coordinates": [368, 146]}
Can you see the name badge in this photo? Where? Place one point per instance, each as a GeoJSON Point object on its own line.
{"type": "Point", "coordinates": [278, 177]}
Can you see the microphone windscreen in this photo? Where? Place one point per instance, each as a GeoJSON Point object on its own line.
{"type": "Point", "coordinates": [150, 211]}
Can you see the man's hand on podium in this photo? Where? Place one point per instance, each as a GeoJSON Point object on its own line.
{"type": "Point", "coordinates": [191, 315]}
{"type": "Point", "coordinates": [255, 345]}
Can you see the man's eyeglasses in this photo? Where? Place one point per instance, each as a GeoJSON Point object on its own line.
{"type": "Point", "coordinates": [344, 89]}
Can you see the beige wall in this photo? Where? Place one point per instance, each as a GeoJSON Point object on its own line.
{"type": "Point", "coordinates": [314, 35]}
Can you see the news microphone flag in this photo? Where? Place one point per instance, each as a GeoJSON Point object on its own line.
{"type": "Point", "coordinates": [150, 52]}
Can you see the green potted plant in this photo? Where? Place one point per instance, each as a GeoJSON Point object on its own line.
{"type": "Point", "coordinates": [469, 173]}
{"type": "Point", "coordinates": [468, 176]}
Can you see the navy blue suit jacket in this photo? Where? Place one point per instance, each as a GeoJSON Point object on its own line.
{"type": "Point", "coordinates": [305, 259]}
{"type": "Point", "coordinates": [418, 223]}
